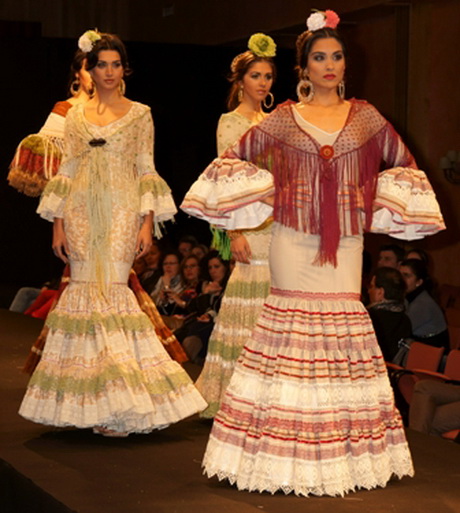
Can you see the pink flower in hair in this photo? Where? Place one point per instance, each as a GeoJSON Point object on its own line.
{"type": "Point", "coordinates": [332, 19]}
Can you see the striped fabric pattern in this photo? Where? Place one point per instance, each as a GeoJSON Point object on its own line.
{"type": "Point", "coordinates": [309, 408]}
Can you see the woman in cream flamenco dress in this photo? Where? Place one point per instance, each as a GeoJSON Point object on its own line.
{"type": "Point", "coordinates": [309, 408]}
{"type": "Point", "coordinates": [252, 75]}
{"type": "Point", "coordinates": [103, 366]}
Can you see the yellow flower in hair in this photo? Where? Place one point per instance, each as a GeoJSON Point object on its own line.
{"type": "Point", "coordinates": [262, 45]}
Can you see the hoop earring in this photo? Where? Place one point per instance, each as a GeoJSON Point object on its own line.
{"type": "Point", "coordinates": [75, 87]}
{"type": "Point", "coordinates": [341, 90]}
{"type": "Point", "coordinates": [122, 88]}
{"type": "Point", "coordinates": [305, 90]}
{"type": "Point", "coordinates": [272, 101]}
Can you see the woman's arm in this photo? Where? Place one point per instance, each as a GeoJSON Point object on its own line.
{"type": "Point", "coordinates": [144, 238]}
{"type": "Point", "coordinates": [60, 247]}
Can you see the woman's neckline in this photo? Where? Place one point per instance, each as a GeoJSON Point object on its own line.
{"type": "Point", "coordinates": [111, 122]}
{"type": "Point", "coordinates": [340, 131]}
{"type": "Point", "coordinates": [263, 116]}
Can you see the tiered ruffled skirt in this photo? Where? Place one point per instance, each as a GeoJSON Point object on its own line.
{"type": "Point", "coordinates": [103, 365]}
{"type": "Point", "coordinates": [245, 294]}
{"type": "Point", "coordinates": [309, 408]}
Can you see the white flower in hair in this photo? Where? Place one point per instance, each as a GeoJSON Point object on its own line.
{"type": "Point", "coordinates": [87, 40]}
{"type": "Point", "coordinates": [316, 21]}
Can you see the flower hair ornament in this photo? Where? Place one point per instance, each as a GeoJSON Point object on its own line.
{"type": "Point", "coordinates": [322, 19]}
{"type": "Point", "coordinates": [262, 45]}
{"type": "Point", "coordinates": [88, 40]}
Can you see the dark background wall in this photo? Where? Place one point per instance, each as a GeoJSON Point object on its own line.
{"type": "Point", "coordinates": [403, 57]}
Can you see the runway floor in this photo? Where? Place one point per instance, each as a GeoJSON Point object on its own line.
{"type": "Point", "coordinates": [58, 471]}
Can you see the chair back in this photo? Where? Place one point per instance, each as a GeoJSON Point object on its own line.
{"type": "Point", "coordinates": [424, 356]}
{"type": "Point", "coordinates": [452, 369]}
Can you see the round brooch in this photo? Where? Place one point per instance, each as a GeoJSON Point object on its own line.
{"type": "Point", "coordinates": [326, 151]}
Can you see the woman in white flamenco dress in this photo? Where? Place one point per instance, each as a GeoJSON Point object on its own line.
{"type": "Point", "coordinates": [103, 366]}
{"type": "Point", "coordinates": [309, 408]}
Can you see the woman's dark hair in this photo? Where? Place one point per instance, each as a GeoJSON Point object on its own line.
{"type": "Point", "coordinates": [423, 255]}
{"type": "Point", "coordinates": [108, 42]}
{"type": "Point", "coordinates": [239, 67]}
{"type": "Point", "coordinates": [417, 267]}
{"type": "Point", "coordinates": [184, 263]}
{"type": "Point", "coordinates": [205, 263]}
{"type": "Point", "coordinates": [306, 41]}
{"type": "Point", "coordinates": [75, 66]}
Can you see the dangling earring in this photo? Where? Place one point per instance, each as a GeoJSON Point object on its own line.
{"type": "Point", "coordinates": [305, 90]}
{"type": "Point", "coordinates": [122, 88]}
{"type": "Point", "coordinates": [341, 90]}
{"type": "Point", "coordinates": [272, 101]}
{"type": "Point", "coordinates": [240, 94]}
{"type": "Point", "coordinates": [75, 87]}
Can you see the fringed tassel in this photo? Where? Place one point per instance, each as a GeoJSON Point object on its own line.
{"type": "Point", "coordinates": [166, 336]}
{"type": "Point", "coordinates": [221, 242]}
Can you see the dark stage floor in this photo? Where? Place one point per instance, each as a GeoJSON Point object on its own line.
{"type": "Point", "coordinates": [74, 470]}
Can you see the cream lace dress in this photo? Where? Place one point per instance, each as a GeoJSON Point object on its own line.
{"type": "Point", "coordinates": [103, 364]}
{"type": "Point", "coordinates": [247, 288]}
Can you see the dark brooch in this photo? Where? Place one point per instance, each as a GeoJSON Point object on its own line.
{"type": "Point", "coordinates": [97, 142]}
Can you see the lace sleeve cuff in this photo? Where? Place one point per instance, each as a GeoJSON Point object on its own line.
{"type": "Point", "coordinates": [230, 194]}
{"type": "Point", "coordinates": [54, 197]}
{"type": "Point", "coordinates": [405, 206]}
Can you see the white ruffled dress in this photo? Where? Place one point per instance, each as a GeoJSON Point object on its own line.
{"type": "Point", "coordinates": [103, 364]}
{"type": "Point", "coordinates": [309, 408]}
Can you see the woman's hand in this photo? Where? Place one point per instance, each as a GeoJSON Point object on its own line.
{"type": "Point", "coordinates": [269, 200]}
{"type": "Point", "coordinates": [60, 247]}
{"type": "Point", "coordinates": [241, 250]}
{"type": "Point", "coordinates": [144, 238]}
{"type": "Point", "coordinates": [212, 287]}
{"type": "Point", "coordinates": [204, 318]}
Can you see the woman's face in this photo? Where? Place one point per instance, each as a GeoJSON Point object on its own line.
{"type": "Point", "coordinates": [216, 270]}
{"type": "Point", "coordinates": [84, 77]}
{"type": "Point", "coordinates": [257, 81]}
{"type": "Point", "coordinates": [171, 266]}
{"type": "Point", "coordinates": [412, 282]}
{"type": "Point", "coordinates": [326, 63]}
{"type": "Point", "coordinates": [152, 257]}
{"type": "Point", "coordinates": [191, 270]}
{"type": "Point", "coordinates": [108, 72]}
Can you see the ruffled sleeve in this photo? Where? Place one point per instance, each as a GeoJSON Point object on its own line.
{"type": "Point", "coordinates": [54, 196]}
{"type": "Point", "coordinates": [155, 195]}
{"type": "Point", "coordinates": [230, 192]}
{"type": "Point", "coordinates": [405, 205]}
{"type": "Point", "coordinates": [38, 156]}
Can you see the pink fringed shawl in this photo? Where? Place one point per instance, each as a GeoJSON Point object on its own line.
{"type": "Point", "coordinates": [324, 190]}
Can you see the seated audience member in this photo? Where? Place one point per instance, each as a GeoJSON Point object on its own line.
{"type": "Point", "coordinates": [427, 319]}
{"type": "Point", "coordinates": [190, 273]}
{"type": "Point", "coordinates": [152, 270]}
{"type": "Point", "coordinates": [202, 310]}
{"type": "Point", "coordinates": [169, 281]}
{"type": "Point", "coordinates": [390, 255]}
{"type": "Point", "coordinates": [386, 310]}
{"type": "Point", "coordinates": [26, 297]}
{"type": "Point", "coordinates": [200, 251]}
{"type": "Point", "coordinates": [435, 407]}
{"type": "Point", "coordinates": [186, 245]}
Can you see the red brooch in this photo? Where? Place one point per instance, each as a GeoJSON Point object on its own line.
{"type": "Point", "coordinates": [326, 151]}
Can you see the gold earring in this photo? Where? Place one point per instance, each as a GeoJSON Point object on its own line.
{"type": "Point", "coordinates": [272, 101]}
{"type": "Point", "coordinates": [75, 87]}
{"type": "Point", "coordinates": [341, 90]}
{"type": "Point", "coordinates": [240, 94]}
{"type": "Point", "coordinates": [122, 87]}
{"type": "Point", "coordinates": [305, 90]}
